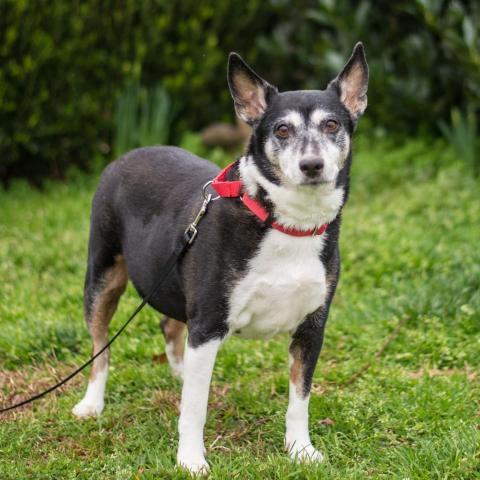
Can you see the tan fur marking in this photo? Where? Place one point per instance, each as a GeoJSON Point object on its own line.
{"type": "Point", "coordinates": [174, 334]}
{"type": "Point", "coordinates": [252, 97]}
{"type": "Point", "coordinates": [103, 308]}
{"type": "Point", "coordinates": [352, 88]}
{"type": "Point", "coordinates": [296, 371]}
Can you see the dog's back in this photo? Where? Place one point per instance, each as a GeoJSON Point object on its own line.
{"type": "Point", "coordinates": [148, 181]}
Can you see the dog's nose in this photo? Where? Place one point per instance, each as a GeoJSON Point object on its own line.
{"type": "Point", "coordinates": [311, 167]}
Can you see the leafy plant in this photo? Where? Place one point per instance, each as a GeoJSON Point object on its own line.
{"type": "Point", "coordinates": [462, 134]}
{"type": "Point", "coordinates": [142, 118]}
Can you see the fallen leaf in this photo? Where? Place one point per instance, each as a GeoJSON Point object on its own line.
{"type": "Point", "coordinates": [159, 358]}
{"type": "Point", "coordinates": [327, 421]}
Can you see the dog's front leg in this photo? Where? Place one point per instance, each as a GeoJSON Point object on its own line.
{"type": "Point", "coordinates": [199, 360]}
{"type": "Point", "coordinates": [304, 350]}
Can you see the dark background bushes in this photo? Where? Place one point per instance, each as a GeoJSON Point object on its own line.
{"type": "Point", "coordinates": [62, 64]}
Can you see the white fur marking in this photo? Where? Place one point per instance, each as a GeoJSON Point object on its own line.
{"type": "Point", "coordinates": [175, 365]}
{"type": "Point", "coordinates": [294, 118]}
{"type": "Point", "coordinates": [318, 116]}
{"type": "Point", "coordinates": [197, 374]}
{"type": "Point", "coordinates": [92, 403]}
{"type": "Point", "coordinates": [297, 438]}
{"type": "Point", "coordinates": [270, 152]}
{"type": "Point", "coordinates": [332, 158]}
{"type": "Point", "coordinates": [289, 161]}
{"type": "Point", "coordinates": [285, 282]}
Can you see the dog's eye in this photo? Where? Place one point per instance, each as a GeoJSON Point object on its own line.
{"type": "Point", "coordinates": [331, 126]}
{"type": "Point", "coordinates": [282, 131]}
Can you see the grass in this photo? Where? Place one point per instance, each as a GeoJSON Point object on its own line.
{"type": "Point", "coordinates": [410, 251]}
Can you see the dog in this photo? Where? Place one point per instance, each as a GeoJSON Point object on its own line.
{"type": "Point", "coordinates": [264, 262]}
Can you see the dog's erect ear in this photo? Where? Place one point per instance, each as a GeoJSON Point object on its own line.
{"type": "Point", "coordinates": [352, 83]}
{"type": "Point", "coordinates": [251, 94]}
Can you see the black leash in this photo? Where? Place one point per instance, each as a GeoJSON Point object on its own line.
{"type": "Point", "coordinates": [186, 240]}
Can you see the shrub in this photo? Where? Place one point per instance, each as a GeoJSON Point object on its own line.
{"type": "Point", "coordinates": [57, 75]}
{"type": "Point", "coordinates": [62, 64]}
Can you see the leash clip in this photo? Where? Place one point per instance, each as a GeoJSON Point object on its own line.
{"type": "Point", "coordinates": [191, 231]}
{"type": "Point", "coordinates": [204, 191]}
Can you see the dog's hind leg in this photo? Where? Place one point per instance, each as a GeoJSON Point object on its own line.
{"type": "Point", "coordinates": [174, 333]}
{"type": "Point", "coordinates": [105, 282]}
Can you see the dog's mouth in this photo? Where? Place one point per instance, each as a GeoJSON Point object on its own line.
{"type": "Point", "coordinates": [305, 182]}
{"type": "Point", "coordinates": [315, 182]}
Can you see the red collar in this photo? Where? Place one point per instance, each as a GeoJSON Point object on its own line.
{"type": "Point", "coordinates": [231, 189]}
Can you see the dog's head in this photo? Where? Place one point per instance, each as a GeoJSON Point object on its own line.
{"type": "Point", "coordinates": [301, 137]}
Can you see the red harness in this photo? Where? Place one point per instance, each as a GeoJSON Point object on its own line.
{"type": "Point", "coordinates": [232, 189]}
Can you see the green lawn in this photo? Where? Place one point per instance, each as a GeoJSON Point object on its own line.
{"type": "Point", "coordinates": [410, 245]}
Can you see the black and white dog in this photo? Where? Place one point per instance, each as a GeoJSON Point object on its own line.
{"type": "Point", "coordinates": [263, 263]}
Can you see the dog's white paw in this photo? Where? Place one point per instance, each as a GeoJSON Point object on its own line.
{"type": "Point", "coordinates": [195, 464]}
{"type": "Point", "coordinates": [85, 409]}
{"type": "Point", "coordinates": [305, 453]}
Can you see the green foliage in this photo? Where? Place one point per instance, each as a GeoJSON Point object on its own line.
{"type": "Point", "coordinates": [63, 63]}
{"type": "Point", "coordinates": [57, 73]}
{"type": "Point", "coordinates": [463, 135]}
{"type": "Point", "coordinates": [142, 117]}
{"type": "Point", "coordinates": [424, 55]}
{"type": "Point", "coordinates": [409, 249]}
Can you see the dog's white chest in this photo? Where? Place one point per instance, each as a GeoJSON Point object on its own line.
{"type": "Point", "coordinates": [285, 282]}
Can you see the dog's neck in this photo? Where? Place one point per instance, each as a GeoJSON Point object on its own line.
{"type": "Point", "coordinates": [300, 207]}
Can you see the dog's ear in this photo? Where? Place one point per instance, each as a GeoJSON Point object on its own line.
{"type": "Point", "coordinates": [352, 83]}
{"type": "Point", "coordinates": [251, 94]}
